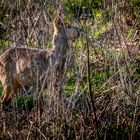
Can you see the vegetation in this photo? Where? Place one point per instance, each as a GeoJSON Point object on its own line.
{"type": "Point", "coordinates": [101, 95]}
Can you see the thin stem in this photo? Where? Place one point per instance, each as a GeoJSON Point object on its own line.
{"type": "Point", "coordinates": [90, 89]}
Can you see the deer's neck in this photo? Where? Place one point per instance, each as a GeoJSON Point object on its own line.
{"type": "Point", "coordinates": [60, 43]}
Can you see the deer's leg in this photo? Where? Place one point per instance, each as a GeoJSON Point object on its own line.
{"type": "Point", "coordinates": [6, 95]}
{"type": "Point", "coordinates": [9, 91]}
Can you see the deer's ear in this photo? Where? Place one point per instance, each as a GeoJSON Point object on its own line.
{"type": "Point", "coordinates": [57, 18]}
{"type": "Point", "coordinates": [57, 14]}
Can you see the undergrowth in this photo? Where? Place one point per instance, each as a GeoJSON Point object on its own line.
{"type": "Point", "coordinates": [114, 65]}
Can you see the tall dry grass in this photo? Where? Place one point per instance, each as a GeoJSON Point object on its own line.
{"type": "Point", "coordinates": [101, 85]}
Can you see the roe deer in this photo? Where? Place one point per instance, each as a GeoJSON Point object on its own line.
{"type": "Point", "coordinates": [22, 66]}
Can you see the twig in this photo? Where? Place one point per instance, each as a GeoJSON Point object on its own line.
{"type": "Point", "coordinates": [90, 90]}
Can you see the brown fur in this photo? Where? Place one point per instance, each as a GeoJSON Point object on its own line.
{"type": "Point", "coordinates": [22, 66]}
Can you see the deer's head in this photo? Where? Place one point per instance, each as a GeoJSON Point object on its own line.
{"type": "Point", "coordinates": [58, 21]}
{"type": "Point", "coordinates": [59, 25]}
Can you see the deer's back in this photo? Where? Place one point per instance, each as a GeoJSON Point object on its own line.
{"type": "Point", "coordinates": [23, 64]}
